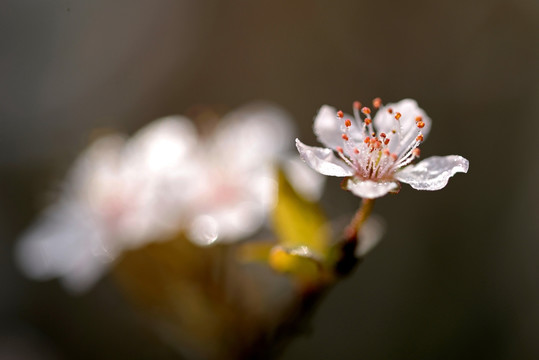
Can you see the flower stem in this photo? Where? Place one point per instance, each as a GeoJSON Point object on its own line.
{"type": "Point", "coordinates": [362, 214]}
{"type": "Point", "coordinates": [347, 259]}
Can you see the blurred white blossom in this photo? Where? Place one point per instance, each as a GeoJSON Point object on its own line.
{"type": "Point", "coordinates": [375, 161]}
{"type": "Point", "coordinates": [122, 194]}
{"type": "Point", "coordinates": [369, 235]}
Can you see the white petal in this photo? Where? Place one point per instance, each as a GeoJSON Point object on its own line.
{"type": "Point", "coordinates": [227, 224]}
{"type": "Point", "coordinates": [433, 173]}
{"type": "Point", "coordinates": [323, 160]}
{"type": "Point", "coordinates": [329, 128]}
{"type": "Point", "coordinates": [161, 145]}
{"type": "Point", "coordinates": [67, 243]}
{"type": "Point", "coordinates": [370, 189]}
{"type": "Point", "coordinates": [408, 108]}
{"type": "Point", "coordinates": [253, 133]}
{"type": "Point", "coordinates": [305, 180]}
{"type": "Point", "coordinates": [99, 161]}
{"type": "Point", "coordinates": [369, 235]}
{"type": "Point", "coordinates": [230, 207]}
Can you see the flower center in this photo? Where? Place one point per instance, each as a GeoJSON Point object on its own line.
{"type": "Point", "coordinates": [368, 152]}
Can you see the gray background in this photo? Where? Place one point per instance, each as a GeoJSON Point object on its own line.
{"type": "Point", "coordinates": [457, 273]}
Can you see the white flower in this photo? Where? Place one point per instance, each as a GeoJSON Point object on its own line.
{"type": "Point", "coordinates": [236, 187]}
{"type": "Point", "coordinates": [237, 176]}
{"type": "Point", "coordinates": [118, 195]}
{"type": "Point", "coordinates": [122, 194]}
{"type": "Point", "coordinates": [375, 154]}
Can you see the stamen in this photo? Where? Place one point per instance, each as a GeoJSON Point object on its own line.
{"type": "Point", "coordinates": [373, 158]}
{"type": "Point", "coordinates": [344, 158]}
{"type": "Point", "coordinates": [357, 106]}
{"type": "Point", "coordinates": [409, 156]}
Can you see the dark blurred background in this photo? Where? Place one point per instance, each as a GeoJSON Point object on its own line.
{"type": "Point", "coordinates": [456, 275]}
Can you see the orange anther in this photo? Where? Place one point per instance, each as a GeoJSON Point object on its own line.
{"type": "Point", "coordinates": [347, 122]}
{"type": "Point", "coordinates": [421, 124]}
{"type": "Point", "coordinates": [345, 137]}
{"type": "Point", "coordinates": [365, 110]}
{"type": "Point", "coordinates": [394, 156]}
{"type": "Point", "coordinates": [416, 152]}
{"type": "Point", "coordinates": [386, 141]}
{"type": "Point", "coordinates": [340, 114]}
{"type": "Point", "coordinates": [377, 103]}
{"type": "Point", "coordinates": [356, 151]}
{"type": "Point", "coordinates": [377, 144]}
{"type": "Point", "coordinates": [386, 152]}
{"type": "Point", "coordinates": [419, 137]}
{"type": "Point", "coordinates": [398, 115]}
{"type": "Point", "coordinates": [367, 140]}
{"type": "Point", "coordinates": [368, 121]}
{"type": "Point", "coordinates": [339, 149]}
{"type": "Point", "coordinates": [418, 119]}
{"type": "Point", "coordinates": [382, 135]}
{"type": "Point", "coordinates": [357, 105]}
{"type": "Point", "coordinates": [390, 110]}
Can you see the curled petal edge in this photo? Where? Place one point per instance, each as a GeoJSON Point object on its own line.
{"type": "Point", "coordinates": [433, 173]}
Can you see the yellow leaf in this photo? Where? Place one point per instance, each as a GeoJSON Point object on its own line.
{"type": "Point", "coordinates": [299, 222]}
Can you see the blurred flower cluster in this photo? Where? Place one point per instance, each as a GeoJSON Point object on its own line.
{"type": "Point", "coordinates": [123, 193]}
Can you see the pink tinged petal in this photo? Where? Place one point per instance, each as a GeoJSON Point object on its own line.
{"type": "Point", "coordinates": [410, 111]}
{"type": "Point", "coordinates": [370, 189]}
{"type": "Point", "coordinates": [433, 173]}
{"type": "Point", "coordinates": [323, 160]}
